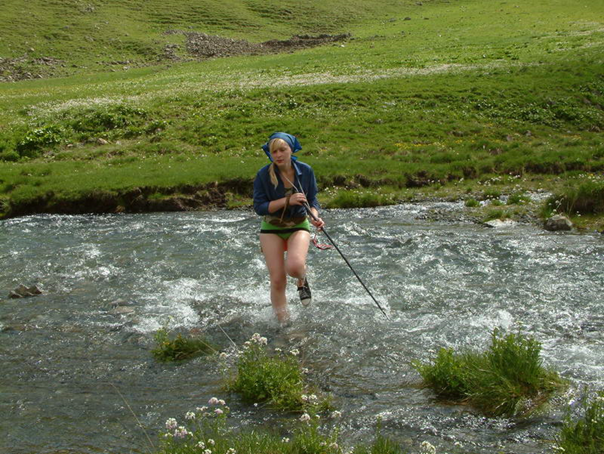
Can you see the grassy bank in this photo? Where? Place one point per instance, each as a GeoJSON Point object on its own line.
{"type": "Point", "coordinates": [436, 99]}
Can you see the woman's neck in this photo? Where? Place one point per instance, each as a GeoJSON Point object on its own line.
{"type": "Point", "coordinates": [286, 169]}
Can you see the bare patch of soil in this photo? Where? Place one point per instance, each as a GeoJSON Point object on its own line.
{"type": "Point", "coordinates": [201, 45]}
{"type": "Point", "coordinates": [27, 68]}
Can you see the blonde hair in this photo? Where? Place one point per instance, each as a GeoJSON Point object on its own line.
{"type": "Point", "coordinates": [273, 144]}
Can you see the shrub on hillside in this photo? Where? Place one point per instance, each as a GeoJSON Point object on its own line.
{"type": "Point", "coordinates": [37, 139]}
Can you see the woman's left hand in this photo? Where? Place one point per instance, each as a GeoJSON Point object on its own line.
{"type": "Point", "coordinates": [317, 222]}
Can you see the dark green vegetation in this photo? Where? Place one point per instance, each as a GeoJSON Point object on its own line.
{"type": "Point", "coordinates": [508, 379]}
{"type": "Point", "coordinates": [584, 435]}
{"type": "Point", "coordinates": [432, 99]}
{"type": "Point", "coordinates": [179, 348]}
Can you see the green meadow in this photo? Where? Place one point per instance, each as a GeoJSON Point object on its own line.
{"type": "Point", "coordinates": [449, 99]}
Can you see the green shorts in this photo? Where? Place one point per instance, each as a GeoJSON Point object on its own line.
{"type": "Point", "coordinates": [284, 232]}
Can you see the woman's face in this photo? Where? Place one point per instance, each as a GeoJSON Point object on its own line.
{"type": "Point", "coordinates": [281, 154]}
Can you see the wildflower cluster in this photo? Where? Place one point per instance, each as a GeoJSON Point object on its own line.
{"type": "Point", "coordinates": [586, 434]}
{"type": "Point", "coordinates": [201, 431]}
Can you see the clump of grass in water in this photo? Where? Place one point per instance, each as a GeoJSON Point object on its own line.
{"type": "Point", "coordinates": [585, 435]}
{"type": "Point", "coordinates": [179, 348]}
{"type": "Point", "coordinates": [472, 203]}
{"type": "Point", "coordinates": [506, 380]}
{"type": "Point", "coordinates": [277, 380]}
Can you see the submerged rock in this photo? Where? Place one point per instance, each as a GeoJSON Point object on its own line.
{"type": "Point", "coordinates": [558, 223]}
{"type": "Point", "coordinates": [23, 292]}
{"type": "Point", "coordinates": [122, 310]}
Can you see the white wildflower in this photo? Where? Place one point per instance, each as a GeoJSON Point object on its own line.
{"type": "Point", "coordinates": [211, 442]}
{"type": "Point", "coordinates": [222, 402]}
{"type": "Point", "coordinates": [171, 424]}
{"type": "Point", "coordinates": [201, 445]}
{"type": "Point", "coordinates": [336, 414]}
{"type": "Point", "coordinates": [218, 411]}
{"type": "Point", "coordinates": [285, 440]}
{"type": "Point", "coordinates": [190, 415]}
{"type": "Point", "coordinates": [305, 417]}
{"type": "Point", "coordinates": [213, 401]}
{"type": "Point", "coordinates": [304, 397]}
{"type": "Point", "coordinates": [181, 432]}
{"type": "Point", "coordinates": [294, 352]}
{"type": "Point", "coordinates": [231, 451]}
{"type": "Point", "coordinates": [427, 448]}
{"type": "Point", "coordinates": [223, 355]}
{"type": "Point", "coordinates": [334, 446]}
{"type": "Point", "coordinates": [207, 451]}
{"type": "Point", "coordinates": [201, 409]}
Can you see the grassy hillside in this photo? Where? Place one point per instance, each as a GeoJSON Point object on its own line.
{"type": "Point", "coordinates": [459, 97]}
{"type": "Point", "coordinates": [92, 35]}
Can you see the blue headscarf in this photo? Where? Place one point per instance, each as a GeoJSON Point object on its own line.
{"type": "Point", "coordinates": [289, 139]}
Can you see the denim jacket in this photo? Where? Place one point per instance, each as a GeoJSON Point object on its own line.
{"type": "Point", "coordinates": [265, 192]}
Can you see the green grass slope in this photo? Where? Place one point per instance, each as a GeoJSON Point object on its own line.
{"type": "Point", "coordinates": [451, 97]}
{"type": "Point", "coordinates": [84, 36]}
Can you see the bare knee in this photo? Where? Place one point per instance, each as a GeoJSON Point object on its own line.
{"type": "Point", "coordinates": [295, 267]}
{"type": "Point", "coordinates": [278, 283]}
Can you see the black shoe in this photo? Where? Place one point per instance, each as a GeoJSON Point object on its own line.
{"type": "Point", "coordinates": [304, 292]}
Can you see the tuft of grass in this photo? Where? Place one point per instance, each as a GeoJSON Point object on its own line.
{"type": "Point", "coordinates": [275, 379]}
{"type": "Point", "coordinates": [496, 213]}
{"type": "Point", "coordinates": [359, 199]}
{"type": "Point", "coordinates": [585, 198]}
{"type": "Point", "coordinates": [179, 348]}
{"type": "Point", "coordinates": [506, 380]}
{"type": "Point", "coordinates": [472, 203]}
{"type": "Point", "coordinates": [586, 434]}
{"type": "Point", "coordinates": [518, 198]}
{"type": "Point", "coordinates": [381, 445]}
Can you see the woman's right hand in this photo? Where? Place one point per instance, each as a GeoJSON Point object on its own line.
{"type": "Point", "coordinates": [297, 198]}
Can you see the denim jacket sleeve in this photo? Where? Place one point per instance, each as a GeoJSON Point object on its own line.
{"type": "Point", "coordinates": [263, 192]}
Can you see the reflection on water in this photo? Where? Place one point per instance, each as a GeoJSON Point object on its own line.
{"type": "Point", "coordinates": [64, 353]}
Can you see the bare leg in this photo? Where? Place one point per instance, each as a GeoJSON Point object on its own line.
{"type": "Point", "coordinates": [297, 250]}
{"type": "Point", "coordinates": [273, 248]}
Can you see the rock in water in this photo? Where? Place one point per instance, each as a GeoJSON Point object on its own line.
{"type": "Point", "coordinates": [558, 223]}
{"type": "Point", "coordinates": [22, 291]}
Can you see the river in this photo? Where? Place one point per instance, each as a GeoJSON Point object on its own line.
{"type": "Point", "coordinates": [66, 353]}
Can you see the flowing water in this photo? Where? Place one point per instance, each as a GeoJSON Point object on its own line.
{"type": "Point", "coordinates": [66, 354]}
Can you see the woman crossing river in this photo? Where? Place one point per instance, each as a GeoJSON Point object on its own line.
{"type": "Point", "coordinates": [285, 191]}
